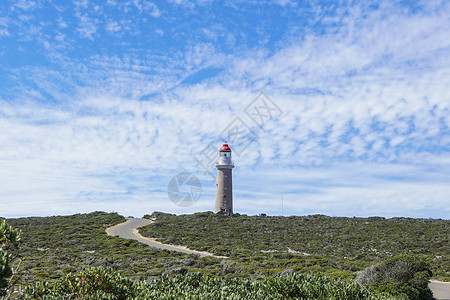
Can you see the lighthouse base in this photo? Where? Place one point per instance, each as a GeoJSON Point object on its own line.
{"type": "Point", "coordinates": [224, 192]}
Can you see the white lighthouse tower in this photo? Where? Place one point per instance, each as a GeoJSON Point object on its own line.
{"type": "Point", "coordinates": [224, 186]}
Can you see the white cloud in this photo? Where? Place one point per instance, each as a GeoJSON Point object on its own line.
{"type": "Point", "coordinates": [364, 189]}
{"type": "Point", "coordinates": [26, 5]}
{"type": "Point", "coordinates": [184, 3]}
{"type": "Point", "coordinates": [81, 3]}
{"type": "Point", "coordinates": [286, 2]}
{"type": "Point", "coordinates": [4, 27]}
{"type": "Point", "coordinates": [113, 26]}
{"type": "Point", "coordinates": [4, 32]}
{"type": "Point", "coordinates": [150, 7]}
{"type": "Point", "coordinates": [62, 23]}
{"type": "Point", "coordinates": [87, 26]}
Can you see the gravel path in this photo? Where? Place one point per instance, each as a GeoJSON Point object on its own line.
{"type": "Point", "coordinates": [441, 290]}
{"type": "Point", "coordinates": [128, 230]}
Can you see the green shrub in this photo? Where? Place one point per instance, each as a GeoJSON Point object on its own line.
{"type": "Point", "coordinates": [404, 276]}
{"type": "Point", "coordinates": [91, 283]}
{"type": "Point", "coordinates": [99, 283]}
{"type": "Point", "coordinates": [8, 236]}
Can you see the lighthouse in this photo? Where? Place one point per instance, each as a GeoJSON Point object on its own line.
{"type": "Point", "coordinates": [224, 186]}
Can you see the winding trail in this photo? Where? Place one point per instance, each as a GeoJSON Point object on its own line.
{"type": "Point", "coordinates": [129, 230]}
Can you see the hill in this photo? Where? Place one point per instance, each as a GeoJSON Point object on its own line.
{"type": "Point", "coordinates": [54, 246]}
{"type": "Point", "coordinates": [57, 249]}
{"type": "Point", "coordinates": [335, 246]}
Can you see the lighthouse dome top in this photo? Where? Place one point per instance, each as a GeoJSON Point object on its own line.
{"type": "Point", "coordinates": [225, 148]}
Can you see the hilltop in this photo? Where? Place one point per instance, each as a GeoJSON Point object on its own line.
{"type": "Point", "coordinates": [257, 248]}
{"type": "Point", "coordinates": [336, 246]}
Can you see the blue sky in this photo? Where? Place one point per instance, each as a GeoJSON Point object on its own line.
{"type": "Point", "coordinates": [103, 102]}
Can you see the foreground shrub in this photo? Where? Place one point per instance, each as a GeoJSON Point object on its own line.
{"type": "Point", "coordinates": [100, 283]}
{"type": "Point", "coordinates": [8, 237]}
{"type": "Point", "coordinates": [91, 283]}
{"type": "Point", "coordinates": [403, 276]}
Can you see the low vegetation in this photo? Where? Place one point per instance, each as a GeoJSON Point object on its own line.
{"type": "Point", "coordinates": [402, 276]}
{"type": "Point", "coordinates": [99, 283]}
{"type": "Point", "coordinates": [9, 237]}
{"type": "Point", "coordinates": [267, 257]}
{"type": "Point", "coordinates": [55, 246]}
{"type": "Point", "coordinates": [333, 246]}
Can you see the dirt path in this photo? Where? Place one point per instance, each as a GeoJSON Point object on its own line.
{"type": "Point", "coordinates": [129, 230]}
{"type": "Point", "coordinates": [441, 290]}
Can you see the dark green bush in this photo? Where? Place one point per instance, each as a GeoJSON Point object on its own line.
{"type": "Point", "coordinates": [404, 276]}
{"type": "Point", "coordinates": [8, 237]}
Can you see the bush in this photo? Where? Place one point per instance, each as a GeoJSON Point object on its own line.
{"type": "Point", "coordinates": [403, 276]}
{"type": "Point", "coordinates": [99, 283]}
{"type": "Point", "coordinates": [5, 271]}
{"type": "Point", "coordinates": [8, 236]}
{"type": "Point", "coordinates": [91, 283]}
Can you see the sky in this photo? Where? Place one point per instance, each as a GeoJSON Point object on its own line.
{"type": "Point", "coordinates": [339, 108]}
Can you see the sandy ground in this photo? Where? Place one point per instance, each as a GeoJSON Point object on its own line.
{"type": "Point", "coordinates": [441, 290]}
